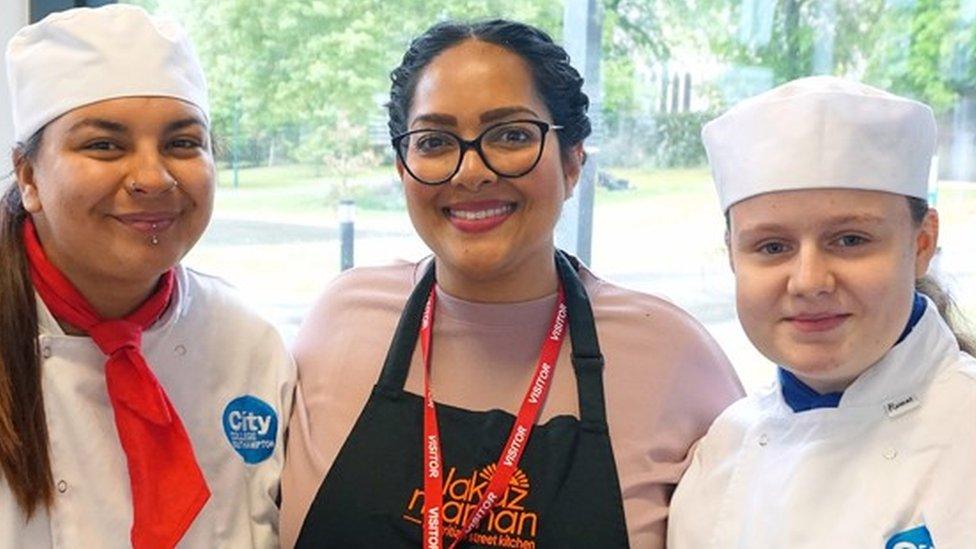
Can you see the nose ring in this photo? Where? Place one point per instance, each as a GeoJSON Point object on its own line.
{"type": "Point", "coordinates": [133, 186]}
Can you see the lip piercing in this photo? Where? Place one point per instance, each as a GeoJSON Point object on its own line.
{"type": "Point", "coordinates": [154, 240]}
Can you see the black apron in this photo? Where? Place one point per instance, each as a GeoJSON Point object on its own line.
{"type": "Point", "coordinates": [565, 493]}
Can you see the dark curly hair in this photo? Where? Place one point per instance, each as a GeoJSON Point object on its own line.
{"type": "Point", "coordinates": [559, 84]}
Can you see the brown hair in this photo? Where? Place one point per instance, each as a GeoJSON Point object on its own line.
{"type": "Point", "coordinates": [24, 457]}
{"type": "Point", "coordinates": [930, 287]}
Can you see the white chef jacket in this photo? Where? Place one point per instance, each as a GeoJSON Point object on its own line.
{"type": "Point", "coordinates": [231, 380]}
{"type": "Point", "coordinates": [896, 455]}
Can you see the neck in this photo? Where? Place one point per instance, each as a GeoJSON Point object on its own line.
{"type": "Point", "coordinates": [116, 299]}
{"type": "Point", "coordinates": [825, 386]}
{"type": "Point", "coordinates": [534, 278]}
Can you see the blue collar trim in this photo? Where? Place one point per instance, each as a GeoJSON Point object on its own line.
{"type": "Point", "coordinates": [918, 309]}
{"type": "Point", "coordinates": [801, 397]}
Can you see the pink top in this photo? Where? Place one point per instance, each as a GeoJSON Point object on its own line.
{"type": "Point", "coordinates": [665, 380]}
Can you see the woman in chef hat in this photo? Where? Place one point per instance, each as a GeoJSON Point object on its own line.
{"type": "Point", "coordinates": [140, 402]}
{"type": "Point", "coordinates": [868, 439]}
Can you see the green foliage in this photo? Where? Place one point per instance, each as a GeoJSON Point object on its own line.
{"type": "Point", "coordinates": [679, 139]}
{"type": "Point", "coordinates": [274, 66]}
{"type": "Point", "coordinates": [927, 53]}
{"type": "Point", "coordinates": [341, 149]}
{"type": "Point", "coordinates": [619, 95]}
{"type": "Point", "coordinates": [663, 140]}
{"type": "Point", "coordinates": [284, 74]}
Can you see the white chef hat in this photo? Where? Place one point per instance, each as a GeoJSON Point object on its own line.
{"type": "Point", "coordinates": [81, 56]}
{"type": "Point", "coordinates": [821, 132]}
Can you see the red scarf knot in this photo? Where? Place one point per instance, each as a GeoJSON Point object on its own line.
{"type": "Point", "coordinates": [112, 336]}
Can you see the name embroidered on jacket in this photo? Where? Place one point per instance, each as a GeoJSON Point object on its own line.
{"type": "Point", "coordinates": [897, 407]}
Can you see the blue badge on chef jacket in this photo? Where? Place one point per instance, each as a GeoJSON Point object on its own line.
{"type": "Point", "coordinates": [916, 538]}
{"type": "Point", "coordinates": [251, 425]}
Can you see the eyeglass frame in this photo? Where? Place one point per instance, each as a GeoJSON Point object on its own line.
{"type": "Point", "coordinates": [466, 145]}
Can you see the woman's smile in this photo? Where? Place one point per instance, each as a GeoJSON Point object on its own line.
{"type": "Point", "coordinates": [150, 222]}
{"type": "Point", "coordinates": [479, 216]}
{"type": "Point", "coordinates": [817, 323]}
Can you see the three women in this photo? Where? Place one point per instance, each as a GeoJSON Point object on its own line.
{"type": "Point", "coordinates": [122, 370]}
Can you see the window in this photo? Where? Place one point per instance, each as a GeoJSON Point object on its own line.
{"type": "Point", "coordinates": [298, 88]}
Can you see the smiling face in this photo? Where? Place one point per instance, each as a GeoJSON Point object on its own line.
{"type": "Point", "coordinates": [112, 175]}
{"type": "Point", "coordinates": [485, 228]}
{"type": "Point", "coordinates": [825, 278]}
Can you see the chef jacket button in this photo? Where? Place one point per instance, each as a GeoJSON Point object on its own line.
{"type": "Point", "coordinates": [763, 439]}
{"type": "Point", "coordinates": [46, 351]}
{"type": "Point", "coordinates": [890, 454]}
{"type": "Point", "coordinates": [62, 486]}
{"type": "Point", "coordinates": [180, 350]}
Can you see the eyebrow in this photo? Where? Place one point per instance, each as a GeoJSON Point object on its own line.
{"type": "Point", "coordinates": [100, 123]}
{"type": "Point", "coordinates": [856, 218]}
{"type": "Point", "coordinates": [436, 118]}
{"type": "Point", "coordinates": [832, 221]}
{"type": "Point", "coordinates": [503, 112]}
{"type": "Point", "coordinates": [116, 127]}
{"type": "Point", "coordinates": [485, 117]}
{"type": "Point", "coordinates": [184, 123]}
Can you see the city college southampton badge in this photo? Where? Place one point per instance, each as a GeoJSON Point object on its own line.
{"type": "Point", "coordinates": [508, 524]}
{"type": "Point", "coordinates": [251, 426]}
{"type": "Point", "coordinates": [916, 538]}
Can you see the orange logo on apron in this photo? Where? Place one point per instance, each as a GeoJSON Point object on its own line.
{"type": "Point", "coordinates": [508, 524]}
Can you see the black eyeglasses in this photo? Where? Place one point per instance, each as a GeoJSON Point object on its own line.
{"type": "Point", "coordinates": [510, 149]}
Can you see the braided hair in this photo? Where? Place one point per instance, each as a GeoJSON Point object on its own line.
{"type": "Point", "coordinates": [556, 81]}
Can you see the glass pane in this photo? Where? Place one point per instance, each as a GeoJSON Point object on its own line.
{"type": "Point", "coordinates": [299, 86]}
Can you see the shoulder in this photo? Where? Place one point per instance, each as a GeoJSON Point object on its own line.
{"type": "Point", "coordinates": [965, 370]}
{"type": "Point", "coordinates": [358, 300]}
{"type": "Point", "coordinates": [745, 412]}
{"type": "Point", "coordinates": [206, 293]}
{"type": "Point", "coordinates": [727, 433]}
{"type": "Point", "coordinates": [363, 289]}
{"type": "Point", "coordinates": [214, 304]}
{"type": "Point", "coordinates": [955, 389]}
{"type": "Point", "coordinates": [374, 283]}
{"type": "Point", "coordinates": [646, 325]}
{"type": "Point", "coordinates": [661, 363]}
{"type": "Point", "coordinates": [636, 311]}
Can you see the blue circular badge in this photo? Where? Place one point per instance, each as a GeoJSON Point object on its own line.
{"type": "Point", "coordinates": [251, 426]}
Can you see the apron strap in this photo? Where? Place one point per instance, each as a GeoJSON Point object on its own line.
{"type": "Point", "coordinates": [586, 356]}
{"type": "Point", "coordinates": [397, 363]}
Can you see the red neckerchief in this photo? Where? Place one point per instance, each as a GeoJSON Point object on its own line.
{"type": "Point", "coordinates": [168, 488]}
{"type": "Point", "coordinates": [518, 438]}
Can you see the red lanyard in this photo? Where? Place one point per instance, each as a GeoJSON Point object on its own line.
{"type": "Point", "coordinates": [517, 440]}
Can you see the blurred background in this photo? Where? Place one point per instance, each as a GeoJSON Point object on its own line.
{"type": "Point", "coordinates": [298, 90]}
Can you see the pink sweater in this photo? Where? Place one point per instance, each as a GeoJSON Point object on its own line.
{"type": "Point", "coordinates": [665, 380]}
